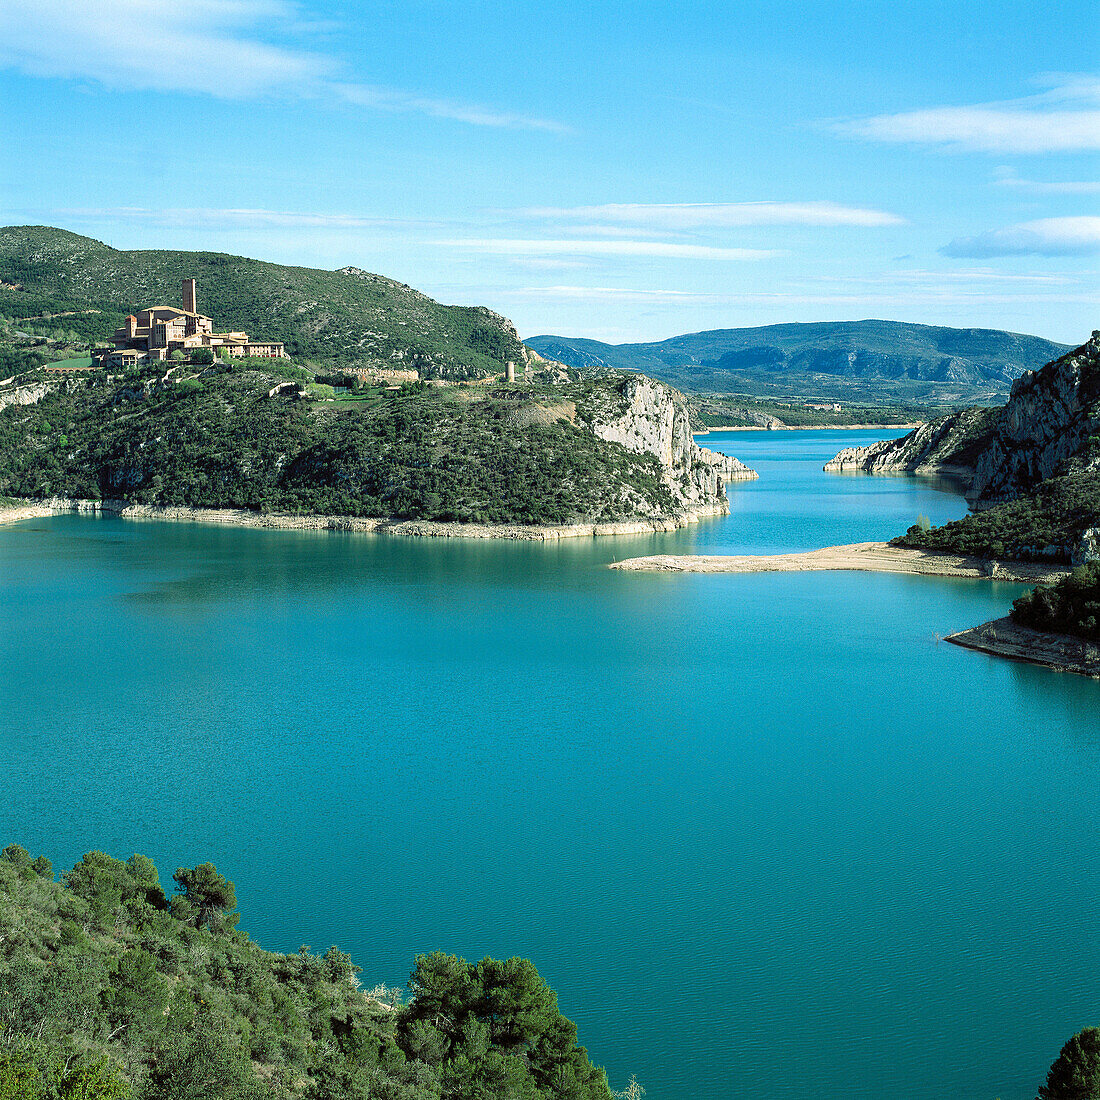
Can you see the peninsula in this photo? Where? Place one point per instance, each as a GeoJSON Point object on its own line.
{"type": "Point", "coordinates": [867, 557]}
{"type": "Point", "coordinates": [480, 437]}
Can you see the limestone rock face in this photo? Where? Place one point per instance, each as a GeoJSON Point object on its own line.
{"type": "Point", "coordinates": [948, 446]}
{"type": "Point", "coordinates": [1088, 549]}
{"type": "Point", "coordinates": [653, 418]}
{"type": "Point", "coordinates": [1002, 453]}
{"type": "Point", "coordinates": [27, 394]}
{"type": "Point", "coordinates": [1050, 415]}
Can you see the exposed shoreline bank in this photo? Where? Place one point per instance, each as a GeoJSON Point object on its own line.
{"type": "Point", "coordinates": [871, 557]}
{"type": "Point", "coordinates": [237, 517]}
{"type": "Point", "coordinates": [810, 428]}
{"type": "Point", "coordinates": [1004, 638]}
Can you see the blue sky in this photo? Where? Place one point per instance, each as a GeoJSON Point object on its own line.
{"type": "Point", "coordinates": [626, 172]}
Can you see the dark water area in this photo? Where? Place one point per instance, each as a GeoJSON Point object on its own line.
{"type": "Point", "coordinates": [765, 834]}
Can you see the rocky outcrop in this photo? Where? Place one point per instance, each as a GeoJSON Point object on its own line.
{"type": "Point", "coordinates": [1002, 453]}
{"type": "Point", "coordinates": [653, 418]}
{"type": "Point", "coordinates": [1049, 417]}
{"type": "Point", "coordinates": [26, 394]}
{"type": "Point", "coordinates": [1087, 548]}
{"type": "Point", "coordinates": [947, 447]}
{"type": "Point", "coordinates": [1005, 638]}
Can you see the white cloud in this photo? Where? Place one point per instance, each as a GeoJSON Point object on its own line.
{"type": "Point", "coordinates": [866, 303]}
{"type": "Point", "coordinates": [1007, 177]}
{"type": "Point", "coordinates": [692, 215]}
{"type": "Point", "coordinates": [223, 48]}
{"type": "Point", "coordinates": [242, 218]}
{"type": "Point", "coordinates": [212, 46]}
{"type": "Point", "coordinates": [613, 294]}
{"type": "Point", "coordinates": [390, 99]}
{"type": "Point", "coordinates": [509, 247]}
{"type": "Point", "coordinates": [1077, 236]}
{"type": "Point", "coordinates": [1065, 118]}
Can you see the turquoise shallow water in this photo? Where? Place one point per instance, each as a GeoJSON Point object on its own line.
{"type": "Point", "coordinates": [765, 834]}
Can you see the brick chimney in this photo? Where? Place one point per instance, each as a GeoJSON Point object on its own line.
{"type": "Point", "coordinates": [189, 298]}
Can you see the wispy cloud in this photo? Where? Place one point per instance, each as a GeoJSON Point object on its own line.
{"type": "Point", "coordinates": [1007, 177]}
{"type": "Point", "coordinates": [527, 248]}
{"type": "Point", "coordinates": [1064, 118]}
{"type": "Point", "coordinates": [698, 215]}
{"type": "Point", "coordinates": [864, 301]}
{"type": "Point", "coordinates": [230, 49]}
{"type": "Point", "coordinates": [1077, 236]}
{"type": "Point", "coordinates": [241, 218]}
{"type": "Point", "coordinates": [390, 99]}
{"type": "Point", "coordinates": [614, 294]}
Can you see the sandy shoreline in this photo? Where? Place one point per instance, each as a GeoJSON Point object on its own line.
{"type": "Point", "coordinates": [1004, 638]}
{"type": "Point", "coordinates": [811, 428]}
{"type": "Point", "coordinates": [281, 521]}
{"type": "Point", "coordinates": [871, 557]}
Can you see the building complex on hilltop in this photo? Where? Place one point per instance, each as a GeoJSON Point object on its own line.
{"type": "Point", "coordinates": [158, 331]}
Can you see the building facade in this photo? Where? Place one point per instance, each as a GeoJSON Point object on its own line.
{"type": "Point", "coordinates": [154, 333]}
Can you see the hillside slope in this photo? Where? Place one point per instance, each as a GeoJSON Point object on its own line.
{"type": "Point", "coordinates": [345, 317]}
{"type": "Point", "coordinates": [838, 359]}
{"type": "Point", "coordinates": [112, 988]}
{"type": "Point", "coordinates": [237, 436]}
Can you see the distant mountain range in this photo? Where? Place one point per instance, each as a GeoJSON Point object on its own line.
{"type": "Point", "coordinates": [840, 360]}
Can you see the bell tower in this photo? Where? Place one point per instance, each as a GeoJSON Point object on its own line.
{"type": "Point", "coordinates": [189, 298]}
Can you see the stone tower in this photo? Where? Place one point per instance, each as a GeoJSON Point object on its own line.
{"type": "Point", "coordinates": [189, 298]}
{"type": "Point", "coordinates": [510, 371]}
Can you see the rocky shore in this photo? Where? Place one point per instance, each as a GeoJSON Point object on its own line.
{"type": "Point", "coordinates": [872, 557]}
{"type": "Point", "coordinates": [232, 517]}
{"type": "Point", "coordinates": [809, 428]}
{"type": "Point", "coordinates": [1004, 638]}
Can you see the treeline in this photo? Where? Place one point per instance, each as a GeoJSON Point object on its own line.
{"type": "Point", "coordinates": [1044, 525]}
{"type": "Point", "coordinates": [110, 989]}
{"type": "Point", "coordinates": [1072, 606]}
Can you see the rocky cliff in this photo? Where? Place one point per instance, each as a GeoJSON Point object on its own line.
{"type": "Point", "coordinates": [1035, 481]}
{"type": "Point", "coordinates": [1049, 418]}
{"type": "Point", "coordinates": [947, 447]}
{"type": "Point", "coordinates": [1001, 453]}
{"type": "Point", "coordinates": [652, 418]}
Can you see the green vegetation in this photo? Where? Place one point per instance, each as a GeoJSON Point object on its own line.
{"type": "Point", "coordinates": [1072, 606]}
{"type": "Point", "coordinates": [1044, 525]}
{"type": "Point", "coordinates": [328, 317]}
{"type": "Point", "coordinates": [109, 990]}
{"type": "Point", "coordinates": [219, 440]}
{"type": "Point", "coordinates": [1075, 1074]}
{"type": "Point", "coordinates": [743, 411]}
{"type": "Point", "coordinates": [857, 362]}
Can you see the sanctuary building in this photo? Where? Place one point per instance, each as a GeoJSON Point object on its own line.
{"type": "Point", "coordinates": [156, 332]}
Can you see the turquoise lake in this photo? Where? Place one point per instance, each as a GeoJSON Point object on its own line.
{"type": "Point", "coordinates": [766, 835]}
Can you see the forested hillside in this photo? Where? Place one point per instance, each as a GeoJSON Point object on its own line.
{"type": "Point", "coordinates": [110, 989]}
{"type": "Point", "coordinates": [347, 316]}
{"type": "Point", "coordinates": [238, 435]}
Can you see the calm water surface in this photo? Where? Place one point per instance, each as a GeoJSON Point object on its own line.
{"type": "Point", "coordinates": [765, 834]}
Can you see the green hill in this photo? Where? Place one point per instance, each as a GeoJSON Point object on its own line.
{"type": "Point", "coordinates": [329, 317]}
{"type": "Point", "coordinates": [835, 360]}
{"type": "Point", "coordinates": [221, 440]}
